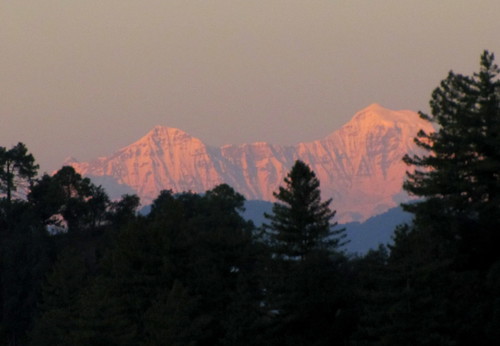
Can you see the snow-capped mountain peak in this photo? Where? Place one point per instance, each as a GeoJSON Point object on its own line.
{"type": "Point", "coordinates": [359, 165]}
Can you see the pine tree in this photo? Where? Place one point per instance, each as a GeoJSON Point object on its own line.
{"type": "Point", "coordinates": [459, 177]}
{"type": "Point", "coordinates": [300, 222]}
{"type": "Point", "coordinates": [438, 265]}
{"type": "Point", "coordinates": [306, 295]}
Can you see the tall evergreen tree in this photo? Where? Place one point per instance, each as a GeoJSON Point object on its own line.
{"type": "Point", "coordinates": [300, 222]}
{"type": "Point", "coordinates": [459, 176]}
{"type": "Point", "coordinates": [438, 266]}
{"type": "Point", "coordinates": [306, 295]}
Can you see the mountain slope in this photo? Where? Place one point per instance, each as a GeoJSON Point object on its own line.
{"type": "Point", "coordinates": [165, 158]}
{"type": "Point", "coordinates": [361, 237]}
{"type": "Point", "coordinates": [359, 165]}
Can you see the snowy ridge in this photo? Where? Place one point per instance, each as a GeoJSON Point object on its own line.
{"type": "Point", "coordinates": [359, 165]}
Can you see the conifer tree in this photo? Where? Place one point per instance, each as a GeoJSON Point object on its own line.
{"type": "Point", "coordinates": [305, 290]}
{"type": "Point", "coordinates": [459, 176]}
{"type": "Point", "coordinates": [300, 222]}
{"type": "Point", "coordinates": [438, 265]}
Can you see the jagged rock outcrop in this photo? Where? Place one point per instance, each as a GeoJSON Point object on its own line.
{"type": "Point", "coordinates": [359, 165]}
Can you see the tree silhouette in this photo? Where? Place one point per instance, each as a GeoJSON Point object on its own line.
{"type": "Point", "coordinates": [300, 222]}
{"type": "Point", "coordinates": [304, 290]}
{"type": "Point", "coordinates": [459, 176]}
{"type": "Point", "coordinates": [16, 166]}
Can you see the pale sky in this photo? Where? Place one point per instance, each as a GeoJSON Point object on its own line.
{"type": "Point", "coordinates": [84, 78]}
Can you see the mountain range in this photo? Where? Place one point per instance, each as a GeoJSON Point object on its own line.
{"type": "Point", "coordinates": [358, 165]}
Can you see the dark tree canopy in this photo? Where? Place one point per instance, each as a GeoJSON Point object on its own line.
{"type": "Point", "coordinates": [301, 222]}
{"type": "Point", "coordinates": [194, 272]}
{"type": "Point", "coordinates": [81, 203]}
{"type": "Point", "coordinates": [438, 275]}
{"type": "Point", "coordinates": [459, 176]}
{"type": "Point", "coordinates": [305, 291]}
{"type": "Point", "coordinates": [16, 166]}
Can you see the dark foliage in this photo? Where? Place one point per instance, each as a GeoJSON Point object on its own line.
{"type": "Point", "coordinates": [459, 176]}
{"type": "Point", "coordinates": [79, 269]}
{"type": "Point", "coordinates": [16, 167]}
{"type": "Point", "coordinates": [300, 222]}
{"type": "Point", "coordinates": [437, 277]}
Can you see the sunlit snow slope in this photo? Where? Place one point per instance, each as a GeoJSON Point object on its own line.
{"type": "Point", "coordinates": [359, 165]}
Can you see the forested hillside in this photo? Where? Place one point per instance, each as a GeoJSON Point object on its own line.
{"type": "Point", "coordinates": [77, 268]}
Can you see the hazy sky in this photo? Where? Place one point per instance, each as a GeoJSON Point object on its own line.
{"type": "Point", "coordinates": [85, 78]}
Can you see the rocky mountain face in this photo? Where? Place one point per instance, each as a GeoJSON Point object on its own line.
{"type": "Point", "coordinates": [359, 165]}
